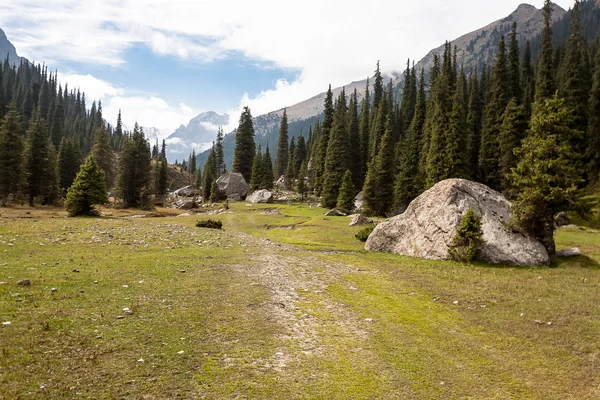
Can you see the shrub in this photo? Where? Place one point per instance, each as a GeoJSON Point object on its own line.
{"type": "Point", "coordinates": [209, 223]}
{"type": "Point", "coordinates": [364, 233]}
{"type": "Point", "coordinates": [466, 244]}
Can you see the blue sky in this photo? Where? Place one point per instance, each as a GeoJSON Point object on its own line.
{"type": "Point", "coordinates": [163, 62]}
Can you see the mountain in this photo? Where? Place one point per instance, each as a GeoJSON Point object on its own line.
{"type": "Point", "coordinates": [198, 135]}
{"type": "Point", "coordinates": [473, 50]}
{"type": "Point", "coordinates": [7, 48]}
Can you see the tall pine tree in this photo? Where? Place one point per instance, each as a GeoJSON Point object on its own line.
{"type": "Point", "coordinates": [244, 145]}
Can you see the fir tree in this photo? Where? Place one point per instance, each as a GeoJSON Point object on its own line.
{"type": "Point", "coordinates": [37, 165]}
{"type": "Point", "coordinates": [474, 115]}
{"type": "Point", "coordinates": [244, 146]}
{"type": "Point", "coordinates": [354, 153]}
{"type": "Point", "coordinates": [456, 157]}
{"type": "Point", "coordinates": [282, 147]}
{"type": "Point", "coordinates": [268, 178]}
{"type": "Point", "coordinates": [364, 132]}
{"type": "Point", "coordinates": [209, 174]}
{"type": "Point", "coordinates": [219, 156]}
{"type": "Point", "coordinates": [87, 190]}
{"type": "Point", "coordinates": [163, 151]}
{"type": "Point", "coordinates": [57, 125]}
{"type": "Point", "coordinates": [548, 173]}
{"type": "Point", "coordinates": [323, 143]}
{"type": "Point", "coordinates": [134, 178]}
{"type": "Point", "coordinates": [528, 80]}
{"type": "Point", "coordinates": [214, 192]}
{"type": "Point", "coordinates": [545, 86]}
{"type": "Point", "coordinates": [336, 160]}
{"type": "Point", "coordinates": [515, 90]}
{"type": "Point", "coordinates": [258, 170]}
{"type": "Point", "coordinates": [299, 154]}
{"type": "Point", "coordinates": [593, 132]}
{"type": "Point", "coordinates": [345, 200]}
{"type": "Point", "coordinates": [69, 162]}
{"type": "Point", "coordinates": [289, 170]}
{"type": "Point", "coordinates": [103, 154]}
{"type": "Point", "coordinates": [302, 180]}
{"type": "Point", "coordinates": [493, 117]}
{"type": "Point", "coordinates": [512, 132]}
{"type": "Point", "coordinates": [379, 184]}
{"type": "Point", "coordinates": [11, 154]}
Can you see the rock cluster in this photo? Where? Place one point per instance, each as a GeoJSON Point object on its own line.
{"type": "Point", "coordinates": [233, 186]}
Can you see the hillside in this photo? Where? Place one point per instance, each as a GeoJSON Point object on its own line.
{"type": "Point", "coordinates": [7, 49]}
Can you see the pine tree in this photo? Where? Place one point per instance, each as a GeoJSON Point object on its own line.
{"type": "Point", "coordinates": [379, 184]}
{"type": "Point", "coordinates": [364, 132]}
{"type": "Point", "coordinates": [51, 189]}
{"type": "Point", "coordinates": [268, 178]}
{"type": "Point", "coordinates": [193, 162]}
{"type": "Point", "coordinates": [299, 154]}
{"type": "Point", "coordinates": [103, 154]}
{"type": "Point", "coordinates": [512, 132]}
{"type": "Point", "coordinates": [323, 143]}
{"type": "Point", "coordinates": [548, 173]}
{"type": "Point", "coordinates": [209, 175]}
{"type": "Point", "coordinates": [258, 170]}
{"type": "Point", "coordinates": [545, 86]}
{"type": "Point", "coordinates": [336, 159]}
{"type": "Point", "coordinates": [282, 147]}
{"type": "Point", "coordinates": [456, 158]}
{"type": "Point", "coordinates": [289, 170]}
{"type": "Point", "coordinates": [69, 162]}
{"type": "Point", "coordinates": [219, 155]}
{"type": "Point", "coordinates": [37, 166]}
{"type": "Point", "coordinates": [593, 132]}
{"type": "Point", "coordinates": [474, 115]}
{"type": "Point", "coordinates": [493, 117]}
{"type": "Point", "coordinates": [11, 154]}
{"type": "Point", "coordinates": [134, 178]}
{"type": "Point", "coordinates": [528, 80]}
{"type": "Point", "coordinates": [57, 126]}
{"type": "Point", "coordinates": [302, 180]}
{"type": "Point", "coordinates": [515, 90]}
{"type": "Point", "coordinates": [244, 146]}
{"type": "Point", "coordinates": [354, 143]}
{"type": "Point", "coordinates": [87, 190]}
{"type": "Point", "coordinates": [345, 200]}
{"type": "Point", "coordinates": [163, 150]}
{"type": "Point", "coordinates": [214, 192]}
{"type": "Point", "coordinates": [407, 187]}
{"type": "Point", "coordinates": [575, 82]}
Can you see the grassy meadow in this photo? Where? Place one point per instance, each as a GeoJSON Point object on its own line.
{"type": "Point", "coordinates": [281, 305]}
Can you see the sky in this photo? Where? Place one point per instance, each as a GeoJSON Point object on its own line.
{"type": "Point", "coordinates": [164, 62]}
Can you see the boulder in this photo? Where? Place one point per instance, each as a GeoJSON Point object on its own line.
{"type": "Point", "coordinates": [187, 191]}
{"type": "Point", "coordinates": [359, 219]}
{"type": "Point", "coordinates": [562, 219]}
{"type": "Point", "coordinates": [234, 197]}
{"type": "Point", "coordinates": [572, 252]}
{"type": "Point", "coordinates": [358, 201]}
{"type": "Point", "coordinates": [183, 204]}
{"type": "Point", "coordinates": [232, 183]}
{"type": "Point", "coordinates": [260, 197]}
{"type": "Point", "coordinates": [335, 213]}
{"type": "Point", "coordinates": [280, 184]}
{"type": "Point", "coordinates": [430, 223]}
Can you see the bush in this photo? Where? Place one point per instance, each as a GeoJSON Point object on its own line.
{"type": "Point", "coordinates": [364, 233]}
{"type": "Point", "coordinates": [466, 244]}
{"type": "Point", "coordinates": [209, 223]}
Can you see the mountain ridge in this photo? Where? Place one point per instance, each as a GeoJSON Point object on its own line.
{"type": "Point", "coordinates": [7, 48]}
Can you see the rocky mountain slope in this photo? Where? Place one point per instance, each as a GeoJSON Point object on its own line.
{"type": "Point", "coordinates": [199, 133]}
{"type": "Point", "coordinates": [7, 48]}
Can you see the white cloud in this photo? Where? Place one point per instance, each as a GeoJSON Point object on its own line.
{"type": "Point", "coordinates": [94, 88]}
{"type": "Point", "coordinates": [335, 41]}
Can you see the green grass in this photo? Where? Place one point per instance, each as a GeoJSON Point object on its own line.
{"type": "Point", "coordinates": [354, 325]}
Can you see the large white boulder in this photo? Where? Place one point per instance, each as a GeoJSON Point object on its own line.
{"type": "Point", "coordinates": [260, 197]}
{"type": "Point", "coordinates": [231, 184]}
{"type": "Point", "coordinates": [430, 223]}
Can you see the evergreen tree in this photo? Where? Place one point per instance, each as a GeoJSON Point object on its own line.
{"type": "Point", "coordinates": [57, 125]}
{"type": "Point", "coordinates": [11, 154]}
{"type": "Point", "coordinates": [302, 188]}
{"type": "Point", "coordinates": [87, 190]}
{"type": "Point", "coordinates": [192, 166]}
{"type": "Point", "coordinates": [493, 118]}
{"type": "Point", "coordinates": [593, 132]}
{"type": "Point", "coordinates": [209, 175]}
{"type": "Point", "coordinates": [163, 150]}
{"type": "Point", "coordinates": [364, 132]}
{"type": "Point", "coordinates": [258, 170]}
{"type": "Point", "coordinates": [51, 187]}
{"type": "Point", "coordinates": [456, 158]}
{"type": "Point", "coordinates": [336, 160]}
{"type": "Point", "coordinates": [103, 154]}
{"type": "Point", "coordinates": [548, 173]}
{"type": "Point", "coordinates": [354, 143]}
{"type": "Point", "coordinates": [214, 192]}
{"type": "Point", "coordinates": [134, 178]}
{"type": "Point", "coordinates": [282, 147]}
{"type": "Point", "coordinates": [69, 162]}
{"type": "Point", "coordinates": [545, 86]}
{"type": "Point", "coordinates": [409, 96]}
{"type": "Point", "coordinates": [407, 187]}
{"type": "Point", "coordinates": [323, 143]}
{"type": "Point", "coordinates": [379, 184]}
{"type": "Point", "coordinates": [289, 170]}
{"type": "Point", "coordinates": [512, 132]}
{"type": "Point", "coordinates": [219, 156]}
{"type": "Point", "coordinates": [515, 90]}
{"type": "Point", "coordinates": [528, 80]}
{"type": "Point", "coordinates": [345, 200]}
{"type": "Point", "coordinates": [268, 178]}
{"type": "Point", "coordinates": [474, 115]}
{"type": "Point", "coordinates": [37, 165]}
{"type": "Point", "coordinates": [299, 154]}
{"type": "Point", "coordinates": [244, 146]}
{"type": "Point", "coordinates": [575, 82]}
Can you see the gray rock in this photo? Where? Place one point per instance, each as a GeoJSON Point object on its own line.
{"type": "Point", "coordinates": [562, 219]}
{"type": "Point", "coordinates": [260, 197]}
{"type": "Point", "coordinates": [358, 201]}
{"type": "Point", "coordinates": [359, 219]}
{"type": "Point", "coordinates": [280, 184]}
{"type": "Point", "coordinates": [183, 204]}
{"type": "Point", "coordinates": [234, 197]}
{"type": "Point", "coordinates": [572, 252]}
{"type": "Point", "coordinates": [335, 213]}
{"type": "Point", "coordinates": [232, 183]}
{"type": "Point", "coordinates": [573, 226]}
{"type": "Point", "coordinates": [187, 191]}
{"type": "Point", "coordinates": [24, 282]}
{"type": "Point", "coordinates": [430, 223]}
